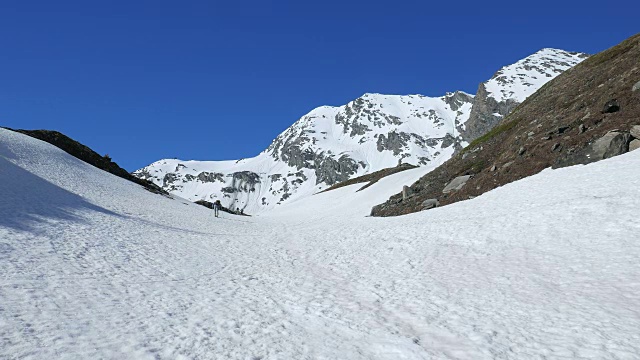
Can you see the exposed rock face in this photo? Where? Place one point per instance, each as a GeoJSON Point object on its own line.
{"type": "Point", "coordinates": [567, 115]}
{"type": "Point", "coordinates": [245, 180]}
{"type": "Point", "coordinates": [330, 171]}
{"type": "Point", "coordinates": [393, 142]}
{"type": "Point", "coordinates": [458, 100]}
{"type": "Point", "coordinates": [486, 113]}
{"type": "Point", "coordinates": [210, 177]}
{"type": "Point", "coordinates": [169, 180]}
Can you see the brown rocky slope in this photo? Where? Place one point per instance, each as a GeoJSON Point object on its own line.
{"type": "Point", "coordinates": [586, 114]}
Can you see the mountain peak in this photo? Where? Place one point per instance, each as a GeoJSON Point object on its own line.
{"type": "Point", "coordinates": [522, 78]}
{"type": "Point", "coordinates": [332, 144]}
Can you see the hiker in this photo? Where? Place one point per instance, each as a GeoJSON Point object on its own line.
{"type": "Point", "coordinates": [216, 207]}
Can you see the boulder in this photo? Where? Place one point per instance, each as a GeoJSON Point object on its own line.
{"type": "Point", "coordinates": [456, 184]}
{"type": "Point", "coordinates": [406, 192]}
{"type": "Point", "coordinates": [611, 144]}
{"type": "Point", "coordinates": [611, 106]}
{"type": "Point", "coordinates": [634, 144]}
{"type": "Point", "coordinates": [430, 203]}
{"type": "Point", "coordinates": [560, 130]}
{"type": "Point", "coordinates": [635, 131]}
{"type": "Point", "coordinates": [636, 87]}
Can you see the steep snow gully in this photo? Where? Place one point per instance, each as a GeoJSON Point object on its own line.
{"type": "Point", "coordinates": [93, 266]}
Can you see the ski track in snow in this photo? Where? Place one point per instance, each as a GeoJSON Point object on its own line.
{"type": "Point", "coordinates": [92, 266]}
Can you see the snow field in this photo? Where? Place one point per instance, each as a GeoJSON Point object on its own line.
{"type": "Point", "coordinates": [92, 266]}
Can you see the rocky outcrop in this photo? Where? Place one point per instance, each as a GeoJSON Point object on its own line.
{"type": "Point", "coordinates": [330, 170]}
{"type": "Point", "coordinates": [456, 100]}
{"type": "Point", "coordinates": [486, 113]}
{"type": "Point", "coordinates": [245, 181]}
{"type": "Point", "coordinates": [611, 144]}
{"type": "Point", "coordinates": [210, 177]}
{"type": "Point", "coordinates": [393, 141]}
{"type": "Point", "coordinates": [169, 181]}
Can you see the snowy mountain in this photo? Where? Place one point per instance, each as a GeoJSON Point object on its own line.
{"type": "Point", "coordinates": [333, 144]}
{"type": "Point", "coordinates": [326, 146]}
{"type": "Point", "coordinates": [93, 266]}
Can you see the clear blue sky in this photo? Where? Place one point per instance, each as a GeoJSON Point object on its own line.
{"type": "Point", "coordinates": [213, 80]}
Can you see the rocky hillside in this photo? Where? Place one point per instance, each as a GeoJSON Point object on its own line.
{"type": "Point", "coordinates": [588, 113]}
{"type": "Point", "coordinates": [330, 145]}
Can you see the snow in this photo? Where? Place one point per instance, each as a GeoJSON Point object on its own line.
{"type": "Point", "coordinates": [521, 79]}
{"type": "Point", "coordinates": [93, 266]}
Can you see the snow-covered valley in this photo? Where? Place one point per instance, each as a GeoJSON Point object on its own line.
{"type": "Point", "coordinates": [94, 266]}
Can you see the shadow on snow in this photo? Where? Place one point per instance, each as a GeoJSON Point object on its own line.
{"type": "Point", "coordinates": [27, 199]}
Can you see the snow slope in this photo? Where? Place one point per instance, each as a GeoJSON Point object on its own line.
{"type": "Point", "coordinates": [93, 266]}
{"type": "Point", "coordinates": [521, 79]}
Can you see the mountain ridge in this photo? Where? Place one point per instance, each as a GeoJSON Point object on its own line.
{"type": "Point", "coordinates": [332, 144]}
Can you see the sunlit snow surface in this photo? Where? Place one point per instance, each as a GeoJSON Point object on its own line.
{"type": "Point", "coordinates": [521, 79]}
{"type": "Point", "coordinates": [92, 266]}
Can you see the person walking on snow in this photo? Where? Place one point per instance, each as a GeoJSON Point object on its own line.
{"type": "Point", "coordinates": [216, 207]}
